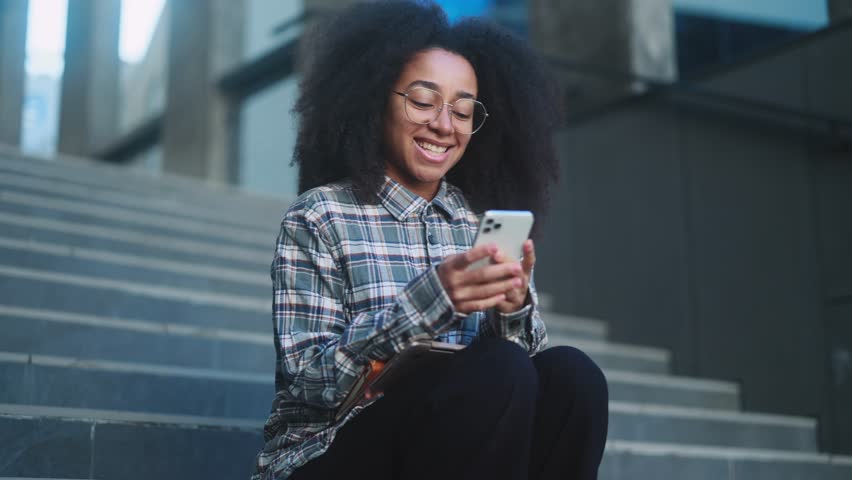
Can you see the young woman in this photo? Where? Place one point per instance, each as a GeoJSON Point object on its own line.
{"type": "Point", "coordinates": [409, 126]}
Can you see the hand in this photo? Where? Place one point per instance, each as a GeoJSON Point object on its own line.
{"type": "Point", "coordinates": [484, 287]}
{"type": "Point", "coordinates": [517, 297]}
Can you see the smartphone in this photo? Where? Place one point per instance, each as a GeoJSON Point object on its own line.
{"type": "Point", "coordinates": [509, 229]}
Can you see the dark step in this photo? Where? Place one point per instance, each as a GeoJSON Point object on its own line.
{"type": "Point", "coordinates": [70, 190]}
{"type": "Point", "coordinates": [671, 390]}
{"type": "Point", "coordinates": [640, 460]}
{"type": "Point", "coordinates": [45, 332]}
{"type": "Point", "coordinates": [187, 191]}
{"type": "Point", "coordinates": [724, 428]}
{"type": "Point", "coordinates": [88, 213]}
{"type": "Point", "coordinates": [136, 242]}
{"type": "Point", "coordinates": [617, 356]}
{"type": "Point", "coordinates": [75, 383]}
{"type": "Point", "coordinates": [112, 298]}
{"type": "Point", "coordinates": [75, 443]}
{"type": "Point", "coordinates": [51, 332]}
{"type": "Point", "coordinates": [33, 254]}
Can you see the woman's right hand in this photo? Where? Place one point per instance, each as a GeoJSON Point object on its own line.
{"type": "Point", "coordinates": [482, 288]}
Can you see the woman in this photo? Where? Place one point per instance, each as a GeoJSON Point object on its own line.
{"type": "Point", "coordinates": [395, 157]}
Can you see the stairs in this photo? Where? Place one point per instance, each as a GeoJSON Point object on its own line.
{"type": "Point", "coordinates": [136, 344]}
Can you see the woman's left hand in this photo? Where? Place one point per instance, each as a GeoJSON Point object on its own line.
{"type": "Point", "coordinates": [516, 298]}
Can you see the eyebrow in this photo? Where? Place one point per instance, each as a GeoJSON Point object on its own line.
{"type": "Point", "coordinates": [434, 86]}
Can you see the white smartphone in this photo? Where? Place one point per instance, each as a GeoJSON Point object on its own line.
{"type": "Point", "coordinates": [509, 229]}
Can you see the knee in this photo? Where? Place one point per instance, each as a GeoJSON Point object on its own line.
{"type": "Point", "coordinates": [504, 363]}
{"type": "Point", "coordinates": [571, 370]}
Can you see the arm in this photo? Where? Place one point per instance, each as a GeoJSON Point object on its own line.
{"type": "Point", "coordinates": [322, 350]}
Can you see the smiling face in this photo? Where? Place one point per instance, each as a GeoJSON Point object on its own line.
{"type": "Point", "coordinates": [419, 155]}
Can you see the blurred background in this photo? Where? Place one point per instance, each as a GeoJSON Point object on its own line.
{"type": "Point", "coordinates": [699, 245]}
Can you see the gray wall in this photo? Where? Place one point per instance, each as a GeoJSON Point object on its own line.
{"type": "Point", "coordinates": [720, 237]}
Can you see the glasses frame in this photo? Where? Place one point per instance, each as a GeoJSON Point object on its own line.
{"type": "Point", "coordinates": [441, 109]}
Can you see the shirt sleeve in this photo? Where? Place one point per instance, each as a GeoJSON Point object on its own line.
{"type": "Point", "coordinates": [321, 349]}
{"type": "Point", "coordinates": [524, 327]}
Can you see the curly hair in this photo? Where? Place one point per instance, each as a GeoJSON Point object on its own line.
{"type": "Point", "coordinates": [357, 56]}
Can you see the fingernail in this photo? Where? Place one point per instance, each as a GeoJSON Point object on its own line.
{"type": "Point", "coordinates": [516, 282]}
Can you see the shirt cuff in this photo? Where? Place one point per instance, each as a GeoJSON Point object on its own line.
{"type": "Point", "coordinates": [515, 324]}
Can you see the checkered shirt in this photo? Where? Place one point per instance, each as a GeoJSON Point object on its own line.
{"type": "Point", "coordinates": [354, 282]}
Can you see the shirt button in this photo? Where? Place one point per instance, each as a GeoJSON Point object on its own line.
{"type": "Point", "coordinates": [433, 239]}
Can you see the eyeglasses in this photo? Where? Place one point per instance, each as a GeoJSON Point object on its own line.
{"type": "Point", "coordinates": [423, 105]}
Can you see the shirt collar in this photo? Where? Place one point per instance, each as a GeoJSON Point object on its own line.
{"type": "Point", "coordinates": [401, 202]}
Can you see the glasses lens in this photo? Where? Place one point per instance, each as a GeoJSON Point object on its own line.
{"type": "Point", "coordinates": [468, 115]}
{"type": "Point", "coordinates": [422, 104]}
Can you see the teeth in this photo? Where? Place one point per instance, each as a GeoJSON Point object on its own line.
{"type": "Point", "coordinates": [432, 148]}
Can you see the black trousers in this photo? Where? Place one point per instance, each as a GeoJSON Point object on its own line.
{"type": "Point", "coordinates": [493, 413]}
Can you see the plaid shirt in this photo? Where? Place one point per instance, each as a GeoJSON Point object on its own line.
{"type": "Point", "coordinates": [355, 282]}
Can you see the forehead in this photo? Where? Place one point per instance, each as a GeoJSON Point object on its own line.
{"type": "Point", "coordinates": [450, 72]}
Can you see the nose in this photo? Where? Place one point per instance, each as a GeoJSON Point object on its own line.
{"type": "Point", "coordinates": [443, 124]}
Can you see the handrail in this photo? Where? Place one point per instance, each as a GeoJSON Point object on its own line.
{"type": "Point", "coordinates": [142, 137]}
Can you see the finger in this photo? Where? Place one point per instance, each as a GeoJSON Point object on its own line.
{"type": "Point", "coordinates": [488, 290]}
{"type": "Point", "coordinates": [491, 273]}
{"type": "Point", "coordinates": [464, 260]}
{"type": "Point", "coordinates": [528, 261]}
{"type": "Point", "coordinates": [500, 257]}
{"type": "Point", "coordinates": [477, 305]}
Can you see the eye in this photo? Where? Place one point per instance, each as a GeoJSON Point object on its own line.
{"type": "Point", "coordinates": [462, 116]}
{"type": "Point", "coordinates": [421, 105]}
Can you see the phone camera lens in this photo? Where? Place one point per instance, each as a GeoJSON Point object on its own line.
{"type": "Point", "coordinates": [489, 221]}
{"type": "Point", "coordinates": [497, 226]}
{"type": "Point", "coordinates": [487, 230]}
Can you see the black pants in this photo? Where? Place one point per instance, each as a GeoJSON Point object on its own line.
{"type": "Point", "coordinates": [493, 413]}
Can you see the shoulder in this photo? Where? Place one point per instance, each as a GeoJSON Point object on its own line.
{"type": "Point", "coordinates": [321, 205]}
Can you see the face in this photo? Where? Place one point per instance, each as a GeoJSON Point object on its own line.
{"type": "Point", "coordinates": [419, 155]}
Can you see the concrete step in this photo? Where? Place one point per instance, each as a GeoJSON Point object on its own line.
{"type": "Point", "coordinates": [133, 241]}
{"type": "Point", "coordinates": [79, 383]}
{"type": "Point", "coordinates": [63, 188]}
{"type": "Point", "coordinates": [638, 460]}
{"type": "Point", "coordinates": [672, 390]}
{"type": "Point", "coordinates": [107, 297]}
{"type": "Point", "coordinates": [46, 332]}
{"type": "Point", "coordinates": [183, 190]}
{"type": "Point", "coordinates": [91, 295]}
{"type": "Point", "coordinates": [89, 213]}
{"type": "Point", "coordinates": [669, 424]}
{"type": "Point", "coordinates": [54, 380]}
{"type": "Point", "coordinates": [65, 442]}
{"type": "Point", "coordinates": [618, 356]}
{"type": "Point", "coordinates": [42, 331]}
{"type": "Point", "coordinates": [33, 254]}
{"type": "Point", "coordinates": [78, 443]}
{"type": "Point", "coordinates": [574, 327]}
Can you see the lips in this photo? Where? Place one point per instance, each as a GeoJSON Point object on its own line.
{"type": "Point", "coordinates": [432, 151]}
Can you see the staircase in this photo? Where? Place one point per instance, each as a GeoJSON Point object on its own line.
{"type": "Point", "coordinates": [136, 344]}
